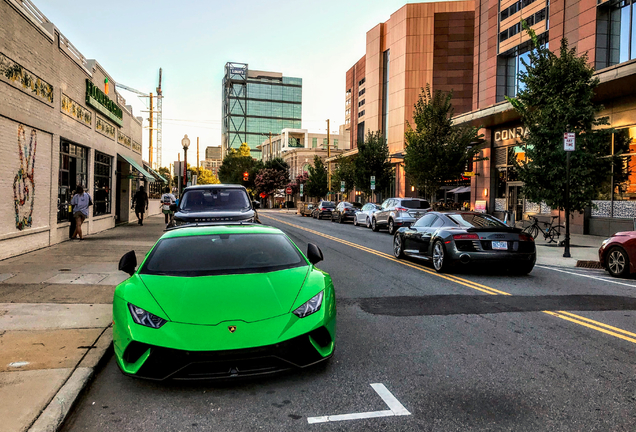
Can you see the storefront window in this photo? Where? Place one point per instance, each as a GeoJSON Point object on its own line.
{"type": "Point", "coordinates": [615, 35]}
{"type": "Point", "coordinates": [103, 184]}
{"type": "Point", "coordinates": [73, 172]}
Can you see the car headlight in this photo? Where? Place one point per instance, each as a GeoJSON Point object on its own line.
{"type": "Point", "coordinates": [145, 318]}
{"type": "Point", "coordinates": [605, 241]}
{"type": "Point", "coordinates": [309, 307]}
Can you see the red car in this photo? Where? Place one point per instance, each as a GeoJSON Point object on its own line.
{"type": "Point", "coordinates": [617, 254]}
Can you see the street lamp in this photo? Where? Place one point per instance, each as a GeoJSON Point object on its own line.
{"type": "Point", "coordinates": [185, 143]}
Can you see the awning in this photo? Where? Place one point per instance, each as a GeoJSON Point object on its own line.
{"type": "Point", "coordinates": [156, 174]}
{"type": "Point", "coordinates": [138, 167]}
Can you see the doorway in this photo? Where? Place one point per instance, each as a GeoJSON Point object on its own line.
{"type": "Point", "coordinates": [515, 200]}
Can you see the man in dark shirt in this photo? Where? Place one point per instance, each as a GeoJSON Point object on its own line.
{"type": "Point", "coordinates": [140, 204]}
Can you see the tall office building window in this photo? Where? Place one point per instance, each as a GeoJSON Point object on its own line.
{"type": "Point", "coordinates": [314, 142]}
{"type": "Point", "coordinates": [73, 172]}
{"type": "Point", "coordinates": [510, 66]}
{"type": "Point", "coordinates": [103, 184]}
{"type": "Point", "coordinates": [360, 132]}
{"type": "Point", "coordinates": [324, 143]}
{"type": "Point", "coordinates": [335, 143]}
{"type": "Point", "coordinates": [385, 94]}
{"type": "Point", "coordinates": [615, 33]}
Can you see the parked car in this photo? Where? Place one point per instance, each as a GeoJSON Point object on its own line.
{"type": "Point", "coordinates": [306, 208]}
{"type": "Point", "coordinates": [617, 254]}
{"type": "Point", "coordinates": [398, 212]}
{"type": "Point", "coordinates": [345, 211]}
{"type": "Point", "coordinates": [364, 216]}
{"type": "Point", "coordinates": [450, 238]}
{"type": "Point", "coordinates": [217, 203]}
{"type": "Point", "coordinates": [324, 208]}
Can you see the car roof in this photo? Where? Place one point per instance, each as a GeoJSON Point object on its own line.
{"type": "Point", "coordinates": [214, 186]}
{"type": "Point", "coordinates": [189, 231]}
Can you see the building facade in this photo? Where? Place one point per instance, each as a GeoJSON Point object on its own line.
{"type": "Point", "coordinates": [601, 29]}
{"type": "Point", "coordinates": [421, 43]}
{"type": "Point", "coordinates": [61, 125]}
{"type": "Point", "coordinates": [256, 104]}
{"type": "Point", "coordinates": [292, 139]}
{"type": "Point", "coordinates": [213, 159]}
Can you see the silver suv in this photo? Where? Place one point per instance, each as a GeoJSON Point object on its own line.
{"type": "Point", "coordinates": [399, 212]}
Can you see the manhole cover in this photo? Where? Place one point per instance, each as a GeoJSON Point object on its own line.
{"type": "Point", "coordinates": [589, 264]}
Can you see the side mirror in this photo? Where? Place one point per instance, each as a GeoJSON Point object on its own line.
{"type": "Point", "coordinates": [314, 254]}
{"type": "Point", "coordinates": [256, 204]}
{"type": "Point", "coordinates": [128, 262]}
{"type": "Point", "coordinates": [174, 207]}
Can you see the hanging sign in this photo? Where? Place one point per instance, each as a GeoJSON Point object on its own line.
{"type": "Point", "coordinates": [372, 182]}
{"type": "Point", "coordinates": [342, 186]}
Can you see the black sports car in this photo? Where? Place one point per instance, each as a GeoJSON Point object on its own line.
{"type": "Point", "coordinates": [219, 203]}
{"type": "Point", "coordinates": [448, 238]}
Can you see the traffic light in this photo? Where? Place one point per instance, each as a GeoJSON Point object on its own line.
{"type": "Point", "coordinates": [246, 176]}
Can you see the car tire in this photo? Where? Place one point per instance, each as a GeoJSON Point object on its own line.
{"type": "Point", "coordinates": [391, 227]}
{"type": "Point", "coordinates": [374, 225]}
{"type": "Point", "coordinates": [398, 246]}
{"type": "Point", "coordinates": [368, 222]}
{"type": "Point", "coordinates": [440, 257]}
{"type": "Point", "coordinates": [617, 262]}
{"type": "Point", "coordinates": [355, 221]}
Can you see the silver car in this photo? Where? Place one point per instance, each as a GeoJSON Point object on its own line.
{"type": "Point", "coordinates": [365, 215]}
{"type": "Point", "coordinates": [399, 212]}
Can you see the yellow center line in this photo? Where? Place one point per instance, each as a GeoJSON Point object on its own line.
{"type": "Point", "coordinates": [567, 316]}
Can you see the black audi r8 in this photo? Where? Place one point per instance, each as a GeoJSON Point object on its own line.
{"type": "Point", "coordinates": [451, 238]}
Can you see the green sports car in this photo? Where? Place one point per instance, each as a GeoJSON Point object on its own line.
{"type": "Point", "coordinates": [223, 301]}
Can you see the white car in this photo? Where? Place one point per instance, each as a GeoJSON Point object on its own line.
{"type": "Point", "coordinates": [365, 215]}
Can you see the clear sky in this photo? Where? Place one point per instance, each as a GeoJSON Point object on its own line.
{"type": "Point", "coordinates": [317, 41]}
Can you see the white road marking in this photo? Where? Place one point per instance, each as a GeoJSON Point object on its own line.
{"type": "Point", "coordinates": [18, 364]}
{"type": "Point", "coordinates": [587, 276]}
{"type": "Point", "coordinates": [395, 409]}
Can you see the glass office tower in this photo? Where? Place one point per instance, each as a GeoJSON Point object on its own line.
{"type": "Point", "coordinates": [256, 103]}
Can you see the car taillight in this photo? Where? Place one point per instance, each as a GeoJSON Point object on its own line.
{"type": "Point", "coordinates": [525, 237]}
{"type": "Point", "coordinates": [401, 209]}
{"type": "Point", "coordinates": [465, 237]}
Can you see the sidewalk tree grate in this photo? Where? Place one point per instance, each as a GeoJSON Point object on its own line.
{"type": "Point", "coordinates": [589, 264]}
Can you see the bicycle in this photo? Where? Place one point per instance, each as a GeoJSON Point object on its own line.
{"type": "Point", "coordinates": [549, 232]}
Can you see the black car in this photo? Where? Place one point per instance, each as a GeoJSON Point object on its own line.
{"type": "Point", "coordinates": [345, 211]}
{"type": "Point", "coordinates": [451, 238]}
{"type": "Point", "coordinates": [215, 203]}
{"type": "Point", "coordinates": [324, 208]}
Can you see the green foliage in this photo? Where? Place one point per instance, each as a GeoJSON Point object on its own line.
{"type": "Point", "coordinates": [269, 180]}
{"type": "Point", "coordinates": [234, 165]}
{"type": "Point", "coordinates": [437, 151]}
{"type": "Point", "coordinates": [165, 173]}
{"type": "Point", "coordinates": [278, 164]}
{"type": "Point", "coordinates": [558, 97]}
{"type": "Point", "coordinates": [373, 160]}
{"type": "Point", "coordinates": [244, 150]}
{"type": "Point", "coordinates": [317, 183]}
{"type": "Point", "coordinates": [344, 172]}
{"type": "Point", "coordinates": [205, 176]}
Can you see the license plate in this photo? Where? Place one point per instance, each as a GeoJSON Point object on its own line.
{"type": "Point", "coordinates": [500, 245]}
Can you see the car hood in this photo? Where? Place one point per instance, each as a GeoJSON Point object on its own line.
{"type": "Point", "coordinates": [210, 300]}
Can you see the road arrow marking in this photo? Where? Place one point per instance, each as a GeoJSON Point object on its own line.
{"type": "Point", "coordinates": [395, 409]}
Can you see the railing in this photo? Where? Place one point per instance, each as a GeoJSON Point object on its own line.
{"type": "Point", "coordinates": [74, 52]}
{"type": "Point", "coordinates": [35, 13]}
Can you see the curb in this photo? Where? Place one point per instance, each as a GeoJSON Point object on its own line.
{"type": "Point", "coordinates": [56, 412]}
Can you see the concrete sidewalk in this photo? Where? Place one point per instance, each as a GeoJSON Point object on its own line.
{"type": "Point", "coordinates": [55, 319]}
{"type": "Point", "coordinates": [582, 248]}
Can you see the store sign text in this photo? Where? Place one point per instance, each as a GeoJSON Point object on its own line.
{"type": "Point", "coordinates": [511, 134]}
{"type": "Point", "coordinates": [102, 103]}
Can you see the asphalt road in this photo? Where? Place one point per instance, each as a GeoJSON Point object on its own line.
{"type": "Point", "coordinates": [477, 350]}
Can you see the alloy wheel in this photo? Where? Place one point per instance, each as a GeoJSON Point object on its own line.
{"type": "Point", "coordinates": [391, 227]}
{"type": "Point", "coordinates": [397, 246]}
{"type": "Point", "coordinates": [438, 256]}
{"type": "Point", "coordinates": [368, 222]}
{"type": "Point", "coordinates": [616, 262]}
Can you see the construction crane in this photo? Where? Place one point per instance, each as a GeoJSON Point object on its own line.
{"type": "Point", "coordinates": [151, 127]}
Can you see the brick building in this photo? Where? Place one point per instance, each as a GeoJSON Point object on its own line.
{"type": "Point", "coordinates": [61, 124]}
{"type": "Point", "coordinates": [603, 30]}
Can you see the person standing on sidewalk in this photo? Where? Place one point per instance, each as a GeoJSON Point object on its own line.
{"type": "Point", "coordinates": [167, 199]}
{"type": "Point", "coordinates": [80, 202]}
{"type": "Point", "coordinates": [140, 204]}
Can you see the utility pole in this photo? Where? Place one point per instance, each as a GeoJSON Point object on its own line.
{"type": "Point", "coordinates": [328, 157]}
{"type": "Point", "coordinates": [150, 130]}
{"type": "Point", "coordinates": [179, 175]}
{"type": "Point", "coordinates": [197, 155]}
{"type": "Point", "coordinates": [270, 145]}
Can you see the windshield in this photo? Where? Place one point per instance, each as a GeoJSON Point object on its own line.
{"type": "Point", "coordinates": [415, 204]}
{"type": "Point", "coordinates": [222, 254]}
{"type": "Point", "coordinates": [214, 199]}
{"type": "Point", "coordinates": [327, 204]}
{"type": "Point", "coordinates": [471, 220]}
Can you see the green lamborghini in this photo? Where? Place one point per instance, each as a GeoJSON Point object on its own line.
{"type": "Point", "coordinates": [223, 301]}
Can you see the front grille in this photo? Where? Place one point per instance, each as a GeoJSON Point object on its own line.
{"type": "Point", "coordinates": [163, 363]}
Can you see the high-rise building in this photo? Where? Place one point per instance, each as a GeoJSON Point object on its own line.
{"type": "Point", "coordinates": [257, 103]}
{"type": "Point", "coordinates": [213, 152]}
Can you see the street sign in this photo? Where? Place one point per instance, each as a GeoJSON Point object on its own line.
{"type": "Point", "coordinates": [372, 182]}
{"type": "Point", "coordinates": [342, 186]}
{"type": "Point", "coordinates": [288, 191]}
{"type": "Point", "coordinates": [301, 189]}
{"type": "Point", "coordinates": [569, 141]}
{"type": "Point", "coordinates": [469, 174]}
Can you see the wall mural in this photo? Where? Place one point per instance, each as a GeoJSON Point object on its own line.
{"type": "Point", "coordinates": [17, 75]}
{"type": "Point", "coordinates": [24, 181]}
{"type": "Point", "coordinates": [104, 128]}
{"type": "Point", "coordinates": [123, 139]}
{"type": "Point", "coordinates": [76, 111]}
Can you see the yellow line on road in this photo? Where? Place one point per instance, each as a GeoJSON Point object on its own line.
{"type": "Point", "coordinates": [567, 316]}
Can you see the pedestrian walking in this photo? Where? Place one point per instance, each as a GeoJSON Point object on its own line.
{"type": "Point", "coordinates": [140, 204]}
{"type": "Point", "coordinates": [167, 199]}
{"type": "Point", "coordinates": [80, 202]}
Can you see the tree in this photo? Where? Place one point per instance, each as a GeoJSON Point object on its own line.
{"type": "Point", "coordinates": [234, 165]}
{"type": "Point", "coordinates": [269, 180]}
{"type": "Point", "coordinates": [344, 172]}
{"type": "Point", "coordinates": [205, 176]}
{"type": "Point", "coordinates": [244, 150]}
{"type": "Point", "coordinates": [373, 160]}
{"type": "Point", "coordinates": [165, 173]}
{"type": "Point", "coordinates": [556, 96]}
{"type": "Point", "coordinates": [437, 151]}
{"type": "Point", "coordinates": [316, 185]}
{"type": "Point", "coordinates": [278, 164]}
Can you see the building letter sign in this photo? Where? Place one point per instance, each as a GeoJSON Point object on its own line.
{"type": "Point", "coordinates": [102, 103]}
{"type": "Point", "coordinates": [511, 133]}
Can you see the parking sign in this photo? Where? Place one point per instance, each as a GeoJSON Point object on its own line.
{"type": "Point", "coordinates": [569, 141]}
{"type": "Point", "coordinates": [372, 182]}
